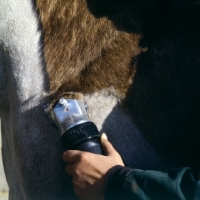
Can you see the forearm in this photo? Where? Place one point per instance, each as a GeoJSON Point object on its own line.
{"type": "Point", "coordinates": [126, 183]}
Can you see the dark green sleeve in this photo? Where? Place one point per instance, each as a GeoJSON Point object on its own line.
{"type": "Point", "coordinates": [178, 184]}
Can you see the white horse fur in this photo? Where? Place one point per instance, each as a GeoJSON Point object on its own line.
{"type": "Point", "coordinates": [31, 145]}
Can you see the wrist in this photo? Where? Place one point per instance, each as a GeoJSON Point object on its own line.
{"type": "Point", "coordinates": [114, 184]}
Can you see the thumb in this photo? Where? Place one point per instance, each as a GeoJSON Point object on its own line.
{"type": "Point", "coordinates": [106, 145]}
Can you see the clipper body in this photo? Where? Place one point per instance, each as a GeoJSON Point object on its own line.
{"type": "Point", "coordinates": [77, 130]}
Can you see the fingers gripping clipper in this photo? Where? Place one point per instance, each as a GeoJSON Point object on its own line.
{"type": "Point", "coordinates": [76, 129]}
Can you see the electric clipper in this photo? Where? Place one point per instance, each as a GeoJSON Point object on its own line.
{"type": "Point", "coordinates": [77, 131]}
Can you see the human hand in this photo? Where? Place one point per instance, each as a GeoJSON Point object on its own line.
{"type": "Point", "coordinates": [89, 170]}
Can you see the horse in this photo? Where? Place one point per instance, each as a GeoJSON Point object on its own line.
{"type": "Point", "coordinates": [48, 48]}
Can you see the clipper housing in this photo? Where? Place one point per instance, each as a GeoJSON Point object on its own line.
{"type": "Point", "coordinates": [77, 130]}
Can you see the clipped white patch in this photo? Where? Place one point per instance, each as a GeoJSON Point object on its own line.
{"type": "Point", "coordinates": [20, 35]}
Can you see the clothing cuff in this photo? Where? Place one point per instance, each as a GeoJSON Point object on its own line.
{"type": "Point", "coordinates": [115, 179]}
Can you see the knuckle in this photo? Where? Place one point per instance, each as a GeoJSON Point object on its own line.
{"type": "Point", "coordinates": [76, 171]}
{"type": "Point", "coordinates": [83, 156]}
{"type": "Point", "coordinates": [66, 155]}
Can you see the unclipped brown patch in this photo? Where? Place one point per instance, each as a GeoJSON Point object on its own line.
{"type": "Point", "coordinates": [83, 53]}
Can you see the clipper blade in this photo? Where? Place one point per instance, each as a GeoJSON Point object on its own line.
{"type": "Point", "coordinates": [67, 113]}
{"type": "Point", "coordinates": [47, 109]}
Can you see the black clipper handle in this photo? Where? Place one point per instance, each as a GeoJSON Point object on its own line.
{"type": "Point", "coordinates": [83, 137]}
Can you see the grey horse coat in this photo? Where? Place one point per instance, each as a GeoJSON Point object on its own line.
{"type": "Point", "coordinates": [31, 146]}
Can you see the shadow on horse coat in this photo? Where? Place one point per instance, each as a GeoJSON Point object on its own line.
{"type": "Point", "coordinates": [164, 96]}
